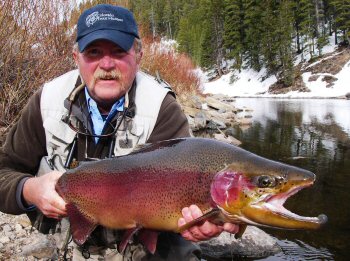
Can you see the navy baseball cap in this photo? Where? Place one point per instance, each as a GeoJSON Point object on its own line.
{"type": "Point", "coordinates": [108, 22]}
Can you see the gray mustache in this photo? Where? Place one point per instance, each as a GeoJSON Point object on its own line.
{"type": "Point", "coordinates": [112, 75]}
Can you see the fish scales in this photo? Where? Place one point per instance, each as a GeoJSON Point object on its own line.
{"type": "Point", "coordinates": [150, 187]}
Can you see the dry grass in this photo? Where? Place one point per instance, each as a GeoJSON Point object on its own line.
{"type": "Point", "coordinates": [36, 38]}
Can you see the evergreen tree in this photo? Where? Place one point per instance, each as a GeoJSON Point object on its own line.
{"type": "Point", "coordinates": [254, 28]}
{"type": "Point", "coordinates": [216, 9]}
{"type": "Point", "coordinates": [234, 31]}
{"type": "Point", "coordinates": [207, 59]}
{"type": "Point", "coordinates": [308, 25]}
{"type": "Point", "coordinates": [183, 36]}
{"type": "Point", "coordinates": [253, 33]}
{"type": "Point", "coordinates": [342, 17]}
{"type": "Point", "coordinates": [285, 39]}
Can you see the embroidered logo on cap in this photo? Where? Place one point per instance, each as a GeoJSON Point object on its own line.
{"type": "Point", "coordinates": [96, 16]}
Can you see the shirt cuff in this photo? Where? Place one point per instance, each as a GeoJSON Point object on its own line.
{"type": "Point", "coordinates": [19, 197]}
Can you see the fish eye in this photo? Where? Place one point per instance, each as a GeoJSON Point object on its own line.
{"type": "Point", "coordinates": [266, 181]}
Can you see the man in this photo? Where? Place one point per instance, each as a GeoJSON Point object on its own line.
{"type": "Point", "coordinates": [103, 109]}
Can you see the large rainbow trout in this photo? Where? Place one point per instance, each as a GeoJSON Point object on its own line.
{"type": "Point", "coordinates": [147, 190]}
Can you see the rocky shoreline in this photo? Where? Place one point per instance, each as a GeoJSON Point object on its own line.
{"type": "Point", "coordinates": [215, 113]}
{"type": "Point", "coordinates": [20, 241]}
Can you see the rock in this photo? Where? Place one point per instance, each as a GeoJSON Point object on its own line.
{"type": "Point", "coordinates": [228, 139]}
{"type": "Point", "coordinates": [195, 101]}
{"type": "Point", "coordinates": [200, 120]}
{"type": "Point", "coordinates": [24, 221]}
{"type": "Point", "coordinates": [347, 96]}
{"type": "Point", "coordinates": [244, 121]}
{"type": "Point", "coordinates": [216, 104]}
{"type": "Point", "coordinates": [254, 243]}
{"type": "Point", "coordinates": [190, 111]}
{"type": "Point", "coordinates": [18, 228]}
{"type": "Point", "coordinates": [4, 239]}
{"type": "Point", "coordinates": [330, 80]}
{"type": "Point", "coordinates": [215, 124]}
{"type": "Point", "coordinates": [191, 123]}
{"type": "Point", "coordinates": [42, 246]}
{"type": "Point", "coordinates": [6, 228]}
{"type": "Point", "coordinates": [313, 78]}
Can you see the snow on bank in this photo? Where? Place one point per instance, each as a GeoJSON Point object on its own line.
{"type": "Point", "coordinates": [249, 83]}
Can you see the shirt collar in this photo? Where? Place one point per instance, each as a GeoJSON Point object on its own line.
{"type": "Point", "coordinates": [93, 108]}
{"type": "Point", "coordinates": [98, 121]}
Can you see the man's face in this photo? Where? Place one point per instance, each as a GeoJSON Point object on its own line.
{"type": "Point", "coordinates": [107, 70]}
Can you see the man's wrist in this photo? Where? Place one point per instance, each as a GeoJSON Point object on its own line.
{"type": "Point", "coordinates": [21, 201]}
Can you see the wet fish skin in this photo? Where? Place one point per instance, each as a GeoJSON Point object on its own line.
{"type": "Point", "coordinates": [149, 188]}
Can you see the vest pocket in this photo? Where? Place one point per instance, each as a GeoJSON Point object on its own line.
{"type": "Point", "coordinates": [129, 138]}
{"type": "Point", "coordinates": [58, 137]}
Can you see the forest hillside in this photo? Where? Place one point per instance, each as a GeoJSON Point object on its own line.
{"type": "Point", "coordinates": [36, 39]}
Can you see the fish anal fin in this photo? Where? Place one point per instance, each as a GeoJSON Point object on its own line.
{"type": "Point", "coordinates": [81, 225]}
{"type": "Point", "coordinates": [128, 234]}
{"type": "Point", "coordinates": [212, 216]}
{"type": "Point", "coordinates": [242, 228]}
{"type": "Point", "coordinates": [149, 239]}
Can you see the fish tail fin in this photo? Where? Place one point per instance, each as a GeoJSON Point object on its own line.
{"type": "Point", "coordinates": [80, 223]}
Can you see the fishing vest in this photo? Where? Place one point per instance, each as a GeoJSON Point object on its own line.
{"type": "Point", "coordinates": [148, 99]}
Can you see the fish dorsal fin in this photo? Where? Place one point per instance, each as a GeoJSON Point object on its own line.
{"type": "Point", "coordinates": [81, 224]}
{"type": "Point", "coordinates": [141, 147]}
{"type": "Point", "coordinates": [156, 145]}
{"type": "Point", "coordinates": [149, 239]}
{"type": "Point", "coordinates": [213, 216]}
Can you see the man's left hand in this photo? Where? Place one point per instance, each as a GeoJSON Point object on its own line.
{"type": "Point", "coordinates": [205, 231]}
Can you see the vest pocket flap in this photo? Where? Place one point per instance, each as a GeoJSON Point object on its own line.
{"type": "Point", "coordinates": [59, 130]}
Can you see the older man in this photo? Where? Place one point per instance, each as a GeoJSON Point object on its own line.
{"type": "Point", "coordinates": [103, 109]}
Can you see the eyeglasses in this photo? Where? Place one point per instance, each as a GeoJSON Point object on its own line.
{"type": "Point", "coordinates": [67, 118]}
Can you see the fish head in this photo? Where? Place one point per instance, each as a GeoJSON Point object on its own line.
{"type": "Point", "coordinates": [256, 196]}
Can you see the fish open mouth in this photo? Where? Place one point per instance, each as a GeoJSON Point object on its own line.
{"type": "Point", "coordinates": [274, 204]}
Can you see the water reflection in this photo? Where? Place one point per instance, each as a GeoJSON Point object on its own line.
{"type": "Point", "coordinates": [315, 135]}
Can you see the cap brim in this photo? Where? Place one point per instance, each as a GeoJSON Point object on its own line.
{"type": "Point", "coordinates": [123, 40]}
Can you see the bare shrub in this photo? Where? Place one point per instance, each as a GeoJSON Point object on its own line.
{"type": "Point", "coordinates": [176, 68]}
{"type": "Point", "coordinates": [34, 43]}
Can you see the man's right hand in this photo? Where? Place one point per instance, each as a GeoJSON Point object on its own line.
{"type": "Point", "coordinates": [40, 191]}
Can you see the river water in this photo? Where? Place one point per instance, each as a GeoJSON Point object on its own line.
{"type": "Point", "coordinates": [315, 135]}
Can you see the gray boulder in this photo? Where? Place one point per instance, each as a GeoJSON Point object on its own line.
{"type": "Point", "coordinates": [254, 243]}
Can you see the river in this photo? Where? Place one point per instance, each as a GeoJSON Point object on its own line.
{"type": "Point", "coordinates": [313, 134]}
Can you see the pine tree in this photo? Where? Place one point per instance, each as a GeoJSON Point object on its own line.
{"type": "Point", "coordinates": [342, 17]}
{"type": "Point", "coordinates": [216, 9]}
{"type": "Point", "coordinates": [285, 26]}
{"type": "Point", "coordinates": [253, 11]}
{"type": "Point", "coordinates": [234, 31]}
{"type": "Point", "coordinates": [308, 26]}
{"type": "Point", "coordinates": [183, 36]}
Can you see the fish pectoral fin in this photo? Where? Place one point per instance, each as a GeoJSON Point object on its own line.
{"type": "Point", "coordinates": [149, 239]}
{"type": "Point", "coordinates": [81, 224]}
{"type": "Point", "coordinates": [213, 216]}
{"type": "Point", "coordinates": [242, 228]}
{"type": "Point", "coordinates": [127, 237]}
